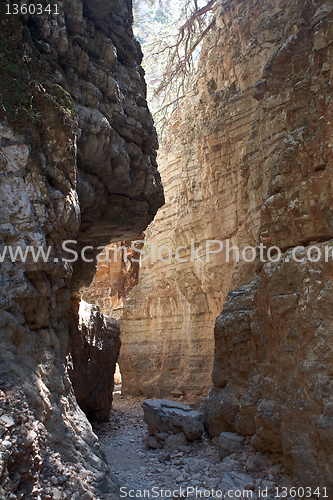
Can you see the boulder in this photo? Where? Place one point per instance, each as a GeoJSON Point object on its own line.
{"type": "Point", "coordinates": [162, 415]}
{"type": "Point", "coordinates": [176, 441]}
{"type": "Point", "coordinates": [229, 443]}
{"type": "Point", "coordinates": [196, 464]}
{"type": "Point", "coordinates": [163, 456]}
{"type": "Point", "coordinates": [152, 442]}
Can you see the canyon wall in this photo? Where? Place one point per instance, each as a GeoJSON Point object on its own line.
{"type": "Point", "coordinates": [272, 371]}
{"type": "Point", "coordinates": [77, 162]}
{"type": "Point", "coordinates": [116, 274]}
{"type": "Point", "coordinates": [247, 158]}
{"type": "Point", "coordinates": [214, 188]}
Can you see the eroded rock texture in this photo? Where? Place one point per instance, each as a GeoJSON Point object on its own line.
{"type": "Point", "coordinates": [117, 273]}
{"type": "Point", "coordinates": [77, 162]}
{"type": "Point", "coordinates": [272, 371]}
{"type": "Point", "coordinates": [214, 187]}
{"type": "Point", "coordinates": [248, 157]}
{"type": "Point", "coordinates": [164, 416]}
{"type": "Point", "coordinates": [94, 349]}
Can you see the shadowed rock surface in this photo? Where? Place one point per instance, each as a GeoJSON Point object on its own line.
{"type": "Point", "coordinates": [77, 162]}
{"type": "Point", "coordinates": [94, 349]}
{"type": "Point", "coordinates": [273, 340]}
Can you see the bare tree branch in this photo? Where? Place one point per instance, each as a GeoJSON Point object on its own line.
{"type": "Point", "coordinates": [179, 58]}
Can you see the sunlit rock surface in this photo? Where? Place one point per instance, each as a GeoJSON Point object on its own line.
{"type": "Point", "coordinates": [211, 193]}
{"type": "Point", "coordinates": [117, 273]}
{"type": "Point", "coordinates": [248, 158]}
{"type": "Point", "coordinates": [272, 372]}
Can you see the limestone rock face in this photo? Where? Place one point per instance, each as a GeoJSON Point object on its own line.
{"type": "Point", "coordinates": [117, 273]}
{"type": "Point", "coordinates": [214, 188]}
{"type": "Point", "coordinates": [77, 162]}
{"type": "Point", "coordinates": [272, 369]}
{"type": "Point", "coordinates": [94, 349]}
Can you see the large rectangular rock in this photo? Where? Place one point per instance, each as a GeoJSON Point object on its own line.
{"type": "Point", "coordinates": [163, 415]}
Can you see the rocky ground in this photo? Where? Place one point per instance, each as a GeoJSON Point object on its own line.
{"type": "Point", "coordinates": [168, 474]}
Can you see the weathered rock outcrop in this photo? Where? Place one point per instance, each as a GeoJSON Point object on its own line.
{"type": "Point", "coordinates": [214, 189]}
{"type": "Point", "coordinates": [229, 443]}
{"type": "Point", "coordinates": [94, 349]}
{"type": "Point", "coordinates": [162, 415]}
{"type": "Point", "coordinates": [272, 371]}
{"type": "Point", "coordinates": [248, 158]}
{"type": "Point", "coordinates": [117, 273]}
{"type": "Point", "coordinates": [272, 365]}
{"type": "Point", "coordinates": [77, 162]}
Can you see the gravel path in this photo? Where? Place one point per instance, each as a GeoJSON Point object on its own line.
{"type": "Point", "coordinates": [172, 474]}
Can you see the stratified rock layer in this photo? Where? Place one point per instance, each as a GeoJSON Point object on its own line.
{"type": "Point", "coordinates": [248, 157]}
{"type": "Point", "coordinates": [272, 371]}
{"type": "Point", "coordinates": [116, 274]}
{"type": "Point", "coordinates": [77, 162]}
{"type": "Point", "coordinates": [214, 187]}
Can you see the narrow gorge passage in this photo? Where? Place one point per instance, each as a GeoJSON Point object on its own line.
{"type": "Point", "coordinates": [149, 473]}
{"type": "Point", "coordinates": [235, 306]}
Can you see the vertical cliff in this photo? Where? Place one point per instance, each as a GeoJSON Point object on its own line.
{"type": "Point", "coordinates": [214, 189]}
{"type": "Point", "coordinates": [272, 368]}
{"type": "Point", "coordinates": [248, 158]}
{"type": "Point", "coordinates": [77, 162]}
{"type": "Point", "coordinates": [117, 273]}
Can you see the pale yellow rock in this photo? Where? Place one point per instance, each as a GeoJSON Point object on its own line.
{"type": "Point", "coordinates": [214, 188]}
